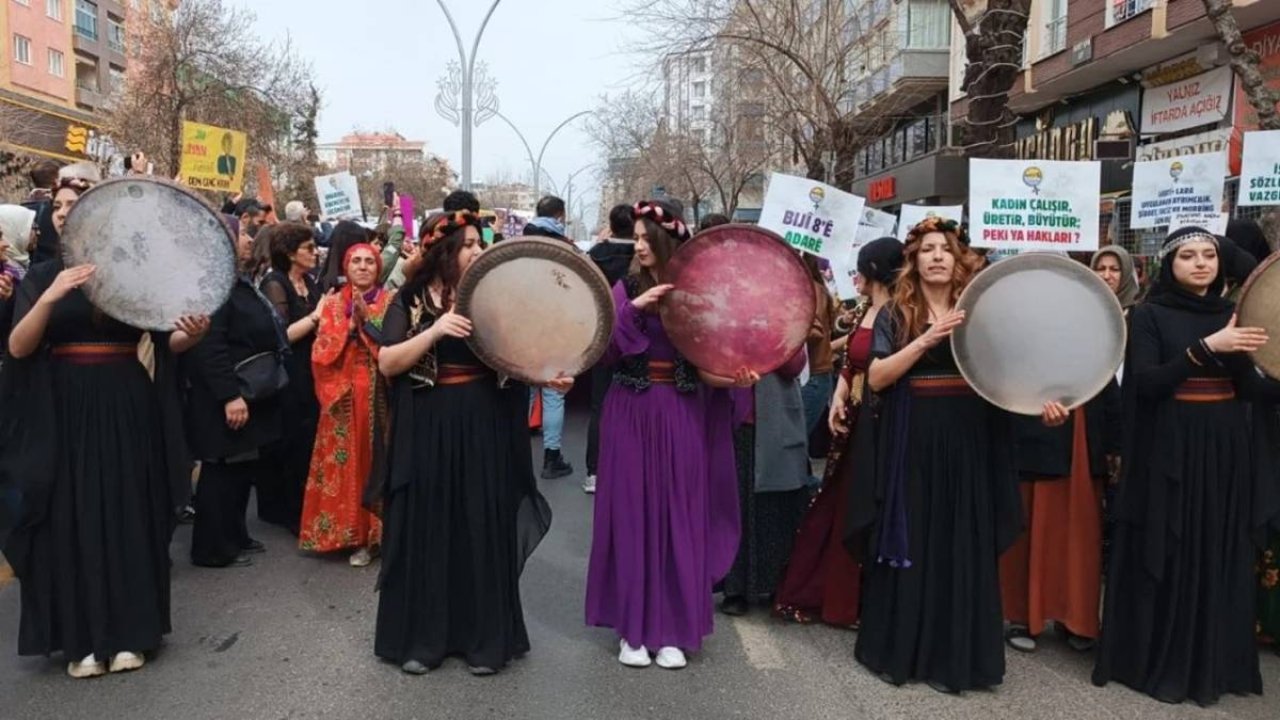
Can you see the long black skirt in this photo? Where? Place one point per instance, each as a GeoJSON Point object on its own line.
{"type": "Point", "coordinates": [95, 572]}
{"type": "Point", "coordinates": [282, 479]}
{"type": "Point", "coordinates": [1188, 633]}
{"type": "Point", "coordinates": [939, 620]}
{"type": "Point", "coordinates": [460, 516]}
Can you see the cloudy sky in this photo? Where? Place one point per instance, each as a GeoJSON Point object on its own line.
{"type": "Point", "coordinates": [377, 62]}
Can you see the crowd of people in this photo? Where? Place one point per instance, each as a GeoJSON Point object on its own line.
{"type": "Point", "coordinates": [337, 384]}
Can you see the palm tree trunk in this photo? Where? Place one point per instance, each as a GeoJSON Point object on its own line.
{"type": "Point", "coordinates": [1244, 61]}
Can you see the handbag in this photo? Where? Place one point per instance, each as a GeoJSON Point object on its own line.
{"type": "Point", "coordinates": [261, 376]}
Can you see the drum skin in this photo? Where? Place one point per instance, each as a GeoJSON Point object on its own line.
{"type": "Point", "coordinates": [1260, 307]}
{"type": "Point", "coordinates": [539, 309]}
{"type": "Point", "coordinates": [1039, 328]}
{"type": "Point", "coordinates": [161, 251]}
{"type": "Point", "coordinates": [742, 299]}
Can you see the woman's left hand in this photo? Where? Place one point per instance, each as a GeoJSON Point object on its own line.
{"type": "Point", "coordinates": [1055, 414]}
{"type": "Point", "coordinates": [746, 378]}
{"type": "Point", "coordinates": [6, 287]}
{"type": "Point", "coordinates": [195, 326]}
{"type": "Point", "coordinates": [561, 385]}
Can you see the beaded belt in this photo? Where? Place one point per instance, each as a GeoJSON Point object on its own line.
{"type": "Point", "coordinates": [940, 386]}
{"type": "Point", "coordinates": [662, 372]}
{"type": "Point", "coordinates": [1205, 390]}
{"type": "Point", "coordinates": [95, 353]}
{"type": "Point", "coordinates": [460, 374]}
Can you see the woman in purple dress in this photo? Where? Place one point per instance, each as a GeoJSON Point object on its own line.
{"type": "Point", "coordinates": [666, 513]}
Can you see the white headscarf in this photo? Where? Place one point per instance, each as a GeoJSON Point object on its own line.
{"type": "Point", "coordinates": [16, 222]}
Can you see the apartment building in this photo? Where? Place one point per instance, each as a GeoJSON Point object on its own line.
{"type": "Point", "coordinates": [1148, 71]}
{"type": "Point", "coordinates": [361, 153]}
{"type": "Point", "coordinates": [688, 90]}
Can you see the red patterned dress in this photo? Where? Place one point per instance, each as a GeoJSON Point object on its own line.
{"type": "Point", "coordinates": [352, 399]}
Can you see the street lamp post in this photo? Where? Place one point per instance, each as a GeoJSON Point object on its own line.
{"type": "Point", "coordinates": [535, 164]}
{"type": "Point", "coordinates": [468, 65]}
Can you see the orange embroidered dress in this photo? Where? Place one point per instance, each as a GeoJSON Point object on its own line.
{"type": "Point", "coordinates": [352, 396]}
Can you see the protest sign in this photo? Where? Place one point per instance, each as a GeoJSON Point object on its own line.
{"type": "Point", "coordinates": [406, 215]}
{"type": "Point", "coordinates": [812, 216]}
{"type": "Point", "coordinates": [212, 157]}
{"type": "Point", "coordinates": [912, 215]}
{"type": "Point", "coordinates": [1260, 169]}
{"type": "Point", "coordinates": [1034, 204]}
{"type": "Point", "coordinates": [1189, 103]}
{"type": "Point", "coordinates": [1214, 222]}
{"type": "Point", "coordinates": [339, 196]}
{"type": "Point", "coordinates": [1176, 186]}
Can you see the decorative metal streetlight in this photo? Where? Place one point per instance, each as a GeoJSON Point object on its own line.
{"type": "Point", "coordinates": [462, 100]}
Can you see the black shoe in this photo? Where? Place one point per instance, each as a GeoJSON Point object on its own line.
{"type": "Point", "coordinates": [734, 606]}
{"type": "Point", "coordinates": [254, 547]}
{"type": "Point", "coordinates": [944, 689]}
{"type": "Point", "coordinates": [480, 671]}
{"type": "Point", "coordinates": [554, 466]}
{"type": "Point", "coordinates": [240, 562]}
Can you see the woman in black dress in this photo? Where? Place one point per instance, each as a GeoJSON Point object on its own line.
{"type": "Point", "coordinates": [1199, 486]}
{"type": "Point", "coordinates": [461, 509]}
{"type": "Point", "coordinates": [295, 295]}
{"type": "Point", "coordinates": [947, 488]}
{"type": "Point", "coordinates": [98, 467]}
{"type": "Point", "coordinates": [226, 431]}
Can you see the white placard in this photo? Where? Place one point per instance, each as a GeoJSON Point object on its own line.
{"type": "Point", "coordinates": [1215, 222]}
{"type": "Point", "coordinates": [842, 274]}
{"type": "Point", "coordinates": [1260, 169]}
{"type": "Point", "coordinates": [1034, 204]}
{"type": "Point", "coordinates": [1187, 184]}
{"type": "Point", "coordinates": [1205, 142]}
{"type": "Point", "coordinates": [339, 196]}
{"type": "Point", "coordinates": [812, 216]}
{"type": "Point", "coordinates": [912, 215]}
{"type": "Point", "coordinates": [1196, 101]}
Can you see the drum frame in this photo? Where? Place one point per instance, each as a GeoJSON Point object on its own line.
{"type": "Point", "coordinates": [1243, 313]}
{"type": "Point", "coordinates": [547, 249]}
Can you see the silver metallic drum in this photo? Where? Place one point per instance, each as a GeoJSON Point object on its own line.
{"type": "Point", "coordinates": [160, 250]}
{"type": "Point", "coordinates": [1260, 307]}
{"type": "Point", "coordinates": [1039, 328]}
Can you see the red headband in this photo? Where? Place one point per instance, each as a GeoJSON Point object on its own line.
{"type": "Point", "coordinates": [665, 220]}
{"type": "Point", "coordinates": [447, 225]}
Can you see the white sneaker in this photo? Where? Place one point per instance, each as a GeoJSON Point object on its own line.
{"type": "Point", "coordinates": [671, 658]}
{"type": "Point", "coordinates": [86, 668]}
{"type": "Point", "coordinates": [634, 657]}
{"type": "Point", "coordinates": [126, 661]}
{"type": "Point", "coordinates": [361, 558]}
{"type": "Point", "coordinates": [589, 485]}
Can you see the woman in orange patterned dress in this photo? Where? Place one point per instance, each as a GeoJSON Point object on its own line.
{"type": "Point", "coordinates": [352, 399]}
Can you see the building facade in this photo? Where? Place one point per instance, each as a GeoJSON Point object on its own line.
{"type": "Point", "coordinates": [365, 153]}
{"type": "Point", "coordinates": [1151, 72]}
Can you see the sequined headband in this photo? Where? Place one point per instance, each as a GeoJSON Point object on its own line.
{"type": "Point", "coordinates": [665, 220]}
{"type": "Point", "coordinates": [449, 224]}
{"type": "Point", "coordinates": [1198, 236]}
{"type": "Point", "coordinates": [941, 225]}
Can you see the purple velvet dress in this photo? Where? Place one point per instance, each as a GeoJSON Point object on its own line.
{"type": "Point", "coordinates": [666, 506]}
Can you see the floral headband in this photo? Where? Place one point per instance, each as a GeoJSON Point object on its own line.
{"type": "Point", "coordinates": [450, 224]}
{"type": "Point", "coordinates": [940, 225]}
{"type": "Point", "coordinates": [664, 219]}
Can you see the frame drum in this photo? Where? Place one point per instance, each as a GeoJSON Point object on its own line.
{"type": "Point", "coordinates": [539, 309]}
{"type": "Point", "coordinates": [742, 299]}
{"type": "Point", "coordinates": [161, 251]}
{"type": "Point", "coordinates": [1039, 328]}
{"type": "Point", "coordinates": [1260, 307]}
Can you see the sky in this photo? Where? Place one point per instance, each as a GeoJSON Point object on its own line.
{"type": "Point", "coordinates": [377, 62]}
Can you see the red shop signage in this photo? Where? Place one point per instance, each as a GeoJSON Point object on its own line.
{"type": "Point", "coordinates": [882, 189]}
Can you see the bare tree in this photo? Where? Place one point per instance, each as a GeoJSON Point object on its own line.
{"type": "Point", "coordinates": [425, 178]}
{"type": "Point", "coordinates": [994, 31]}
{"type": "Point", "coordinates": [1244, 61]}
{"type": "Point", "coordinates": [199, 62]}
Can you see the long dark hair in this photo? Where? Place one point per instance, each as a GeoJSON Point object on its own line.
{"type": "Point", "coordinates": [663, 246]}
{"type": "Point", "coordinates": [346, 234]}
{"type": "Point", "coordinates": [440, 262]}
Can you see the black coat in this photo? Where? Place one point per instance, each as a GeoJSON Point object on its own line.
{"type": "Point", "coordinates": [243, 327]}
{"type": "Point", "coordinates": [1046, 452]}
{"type": "Point", "coordinates": [613, 257]}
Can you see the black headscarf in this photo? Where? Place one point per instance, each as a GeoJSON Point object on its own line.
{"type": "Point", "coordinates": [1249, 236]}
{"type": "Point", "coordinates": [880, 260]}
{"type": "Point", "coordinates": [1169, 293]}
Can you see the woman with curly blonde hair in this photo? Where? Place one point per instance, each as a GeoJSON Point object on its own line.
{"type": "Point", "coordinates": [948, 502]}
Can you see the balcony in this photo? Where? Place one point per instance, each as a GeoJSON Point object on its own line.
{"type": "Point", "coordinates": [910, 77]}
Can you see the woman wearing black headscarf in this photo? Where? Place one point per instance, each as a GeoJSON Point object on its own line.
{"type": "Point", "coordinates": [1199, 485]}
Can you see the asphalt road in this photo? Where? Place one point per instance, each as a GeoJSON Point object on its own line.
{"type": "Point", "coordinates": [292, 637]}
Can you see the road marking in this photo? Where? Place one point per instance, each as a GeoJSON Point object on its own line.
{"type": "Point", "coordinates": [759, 644]}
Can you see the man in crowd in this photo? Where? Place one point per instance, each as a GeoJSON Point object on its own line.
{"type": "Point", "coordinates": [613, 255]}
{"type": "Point", "coordinates": [44, 178]}
{"type": "Point", "coordinates": [550, 220]}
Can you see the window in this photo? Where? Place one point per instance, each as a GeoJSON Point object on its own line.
{"type": "Point", "coordinates": [927, 24]}
{"type": "Point", "coordinates": [698, 64]}
{"type": "Point", "coordinates": [115, 35]}
{"type": "Point", "coordinates": [57, 68]}
{"type": "Point", "coordinates": [22, 49]}
{"type": "Point", "coordinates": [1120, 10]}
{"type": "Point", "coordinates": [117, 77]}
{"type": "Point", "coordinates": [87, 19]}
{"type": "Point", "coordinates": [53, 8]}
{"type": "Point", "coordinates": [699, 113]}
{"type": "Point", "coordinates": [86, 74]}
{"type": "Point", "coordinates": [700, 89]}
{"type": "Point", "coordinates": [1053, 38]}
